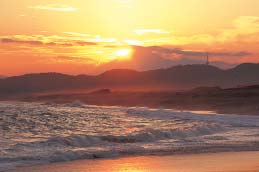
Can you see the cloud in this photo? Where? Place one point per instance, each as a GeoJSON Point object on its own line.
{"type": "Point", "coordinates": [236, 44]}
{"type": "Point", "coordinates": [104, 48]}
{"type": "Point", "coordinates": [133, 42]}
{"type": "Point", "coordinates": [243, 33]}
{"type": "Point", "coordinates": [248, 23]}
{"type": "Point", "coordinates": [97, 48]}
{"type": "Point", "coordinates": [9, 40]}
{"type": "Point", "coordinates": [77, 34]}
{"type": "Point", "coordinates": [150, 31]}
{"type": "Point", "coordinates": [39, 42]}
{"type": "Point", "coordinates": [243, 27]}
{"type": "Point", "coordinates": [73, 59]}
{"type": "Point", "coordinates": [82, 43]}
{"type": "Point", "coordinates": [163, 50]}
{"type": "Point", "coordinates": [55, 7]}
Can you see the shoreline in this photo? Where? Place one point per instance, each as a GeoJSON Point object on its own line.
{"type": "Point", "coordinates": [195, 110]}
{"type": "Point", "coordinates": [245, 110]}
{"type": "Point", "coordinates": [239, 101]}
{"type": "Point", "coordinates": [205, 162]}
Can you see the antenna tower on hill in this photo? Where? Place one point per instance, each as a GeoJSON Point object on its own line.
{"type": "Point", "coordinates": [207, 58]}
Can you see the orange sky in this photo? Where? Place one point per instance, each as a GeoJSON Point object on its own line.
{"type": "Point", "coordinates": [90, 36]}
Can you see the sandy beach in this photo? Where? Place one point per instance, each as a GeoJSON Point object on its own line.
{"type": "Point", "coordinates": [212, 162]}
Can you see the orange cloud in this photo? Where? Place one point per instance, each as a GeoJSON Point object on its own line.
{"type": "Point", "coordinates": [235, 44]}
{"type": "Point", "coordinates": [244, 29]}
{"type": "Point", "coordinates": [39, 42]}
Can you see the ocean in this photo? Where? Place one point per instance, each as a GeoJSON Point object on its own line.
{"type": "Point", "coordinates": [42, 133]}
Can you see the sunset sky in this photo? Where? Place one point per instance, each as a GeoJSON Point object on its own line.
{"type": "Point", "coordinates": [91, 36]}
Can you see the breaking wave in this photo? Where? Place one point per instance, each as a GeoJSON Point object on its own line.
{"type": "Point", "coordinates": [50, 132]}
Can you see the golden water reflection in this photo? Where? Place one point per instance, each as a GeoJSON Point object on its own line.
{"type": "Point", "coordinates": [220, 162]}
{"type": "Point", "coordinates": [130, 170]}
{"type": "Point", "coordinates": [136, 164]}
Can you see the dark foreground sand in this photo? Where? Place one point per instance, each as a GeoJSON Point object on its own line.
{"type": "Point", "coordinates": [212, 162]}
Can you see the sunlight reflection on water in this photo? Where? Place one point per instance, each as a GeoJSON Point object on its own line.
{"type": "Point", "coordinates": [40, 133]}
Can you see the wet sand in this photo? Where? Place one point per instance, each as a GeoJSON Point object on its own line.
{"type": "Point", "coordinates": [210, 162]}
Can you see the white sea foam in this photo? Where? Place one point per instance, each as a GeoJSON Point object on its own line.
{"type": "Point", "coordinates": [39, 133]}
{"type": "Point", "coordinates": [237, 120]}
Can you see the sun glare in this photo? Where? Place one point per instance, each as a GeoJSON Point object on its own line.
{"type": "Point", "coordinates": [123, 53]}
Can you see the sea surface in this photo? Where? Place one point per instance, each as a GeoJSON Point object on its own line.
{"type": "Point", "coordinates": [42, 133]}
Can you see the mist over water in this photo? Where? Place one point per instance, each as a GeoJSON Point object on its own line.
{"type": "Point", "coordinates": [40, 133]}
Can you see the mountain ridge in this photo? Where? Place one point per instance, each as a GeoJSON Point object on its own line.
{"type": "Point", "coordinates": [176, 77]}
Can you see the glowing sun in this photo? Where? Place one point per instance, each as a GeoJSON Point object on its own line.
{"type": "Point", "coordinates": [123, 53]}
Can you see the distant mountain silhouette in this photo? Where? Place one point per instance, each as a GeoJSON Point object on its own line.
{"type": "Point", "coordinates": [177, 77]}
